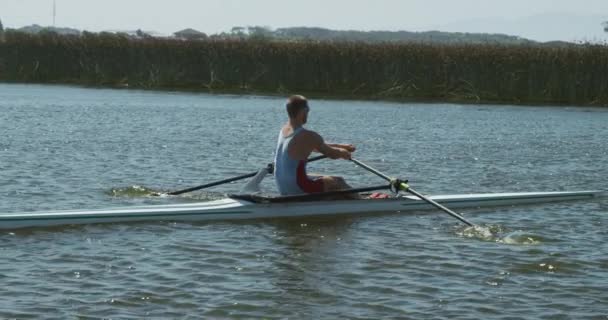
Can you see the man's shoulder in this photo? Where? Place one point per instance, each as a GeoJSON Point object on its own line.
{"type": "Point", "coordinates": [310, 137]}
{"type": "Point", "coordinates": [310, 134]}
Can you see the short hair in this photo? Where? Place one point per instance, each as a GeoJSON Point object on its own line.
{"type": "Point", "coordinates": [295, 104]}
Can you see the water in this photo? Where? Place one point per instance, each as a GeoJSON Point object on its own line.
{"type": "Point", "coordinates": [66, 148]}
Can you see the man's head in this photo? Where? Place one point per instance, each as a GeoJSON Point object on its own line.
{"type": "Point", "coordinates": [297, 108]}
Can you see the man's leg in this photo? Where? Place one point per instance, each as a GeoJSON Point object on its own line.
{"type": "Point", "coordinates": [331, 183]}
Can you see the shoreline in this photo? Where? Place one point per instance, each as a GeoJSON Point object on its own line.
{"type": "Point", "coordinates": [310, 95]}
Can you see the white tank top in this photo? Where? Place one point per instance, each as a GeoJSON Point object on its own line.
{"type": "Point", "coordinates": [286, 168]}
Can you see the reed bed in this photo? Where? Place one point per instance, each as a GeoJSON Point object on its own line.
{"type": "Point", "coordinates": [518, 74]}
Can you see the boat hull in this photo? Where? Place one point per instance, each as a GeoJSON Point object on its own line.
{"type": "Point", "coordinates": [234, 209]}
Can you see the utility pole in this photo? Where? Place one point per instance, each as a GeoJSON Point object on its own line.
{"type": "Point", "coordinates": [54, 11]}
{"type": "Point", "coordinates": [1, 32]}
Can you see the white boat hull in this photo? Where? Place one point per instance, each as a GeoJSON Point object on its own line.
{"type": "Point", "coordinates": [233, 209]}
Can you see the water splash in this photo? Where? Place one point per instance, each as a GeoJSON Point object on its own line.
{"type": "Point", "coordinates": [134, 191]}
{"type": "Point", "coordinates": [480, 232]}
{"type": "Point", "coordinates": [520, 238]}
{"type": "Point", "coordinates": [499, 234]}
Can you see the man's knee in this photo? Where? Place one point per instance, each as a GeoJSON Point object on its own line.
{"type": "Point", "coordinates": [339, 179]}
{"type": "Point", "coordinates": [334, 183]}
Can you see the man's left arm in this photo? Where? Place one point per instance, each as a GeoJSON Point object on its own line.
{"type": "Point", "coordinates": [349, 147]}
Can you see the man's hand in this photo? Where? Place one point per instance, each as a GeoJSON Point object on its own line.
{"type": "Point", "coordinates": [344, 154]}
{"type": "Point", "coordinates": [349, 147]}
{"type": "Point", "coordinates": [336, 151]}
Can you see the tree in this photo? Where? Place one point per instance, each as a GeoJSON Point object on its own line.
{"type": "Point", "coordinates": [237, 31]}
{"type": "Point", "coordinates": [190, 34]}
{"type": "Point", "coordinates": [605, 25]}
{"type": "Point", "coordinates": [259, 33]}
{"type": "Point", "coordinates": [143, 35]}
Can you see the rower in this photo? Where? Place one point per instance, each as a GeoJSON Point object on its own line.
{"type": "Point", "coordinates": [295, 144]}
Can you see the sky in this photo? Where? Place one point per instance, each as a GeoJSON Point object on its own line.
{"type": "Point", "coordinates": [541, 20]}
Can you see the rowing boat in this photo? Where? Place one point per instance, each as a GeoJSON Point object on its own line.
{"type": "Point", "coordinates": [240, 207]}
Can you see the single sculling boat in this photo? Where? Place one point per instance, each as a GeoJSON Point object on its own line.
{"type": "Point", "coordinates": [255, 206]}
{"type": "Point", "coordinates": [258, 207]}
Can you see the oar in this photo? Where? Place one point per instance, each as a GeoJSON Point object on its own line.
{"type": "Point", "coordinates": [405, 187]}
{"type": "Point", "coordinates": [217, 183]}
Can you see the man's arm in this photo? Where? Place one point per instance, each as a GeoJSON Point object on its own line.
{"type": "Point", "coordinates": [331, 151]}
{"type": "Point", "coordinates": [348, 147]}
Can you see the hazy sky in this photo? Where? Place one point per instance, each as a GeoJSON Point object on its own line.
{"type": "Point", "coordinates": [550, 18]}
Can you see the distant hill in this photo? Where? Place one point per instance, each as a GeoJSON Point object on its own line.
{"type": "Point", "coordinates": [138, 33]}
{"type": "Point", "coordinates": [569, 27]}
{"type": "Point", "coordinates": [397, 36]}
{"type": "Point", "coordinates": [322, 34]}
{"type": "Point", "coordinates": [37, 29]}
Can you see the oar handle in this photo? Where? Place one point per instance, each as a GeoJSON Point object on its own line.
{"type": "Point", "coordinates": [372, 170]}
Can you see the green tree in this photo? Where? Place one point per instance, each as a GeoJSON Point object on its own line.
{"type": "Point", "coordinates": [141, 34]}
{"type": "Point", "coordinates": [237, 31]}
{"type": "Point", "coordinates": [605, 25]}
{"type": "Point", "coordinates": [259, 33]}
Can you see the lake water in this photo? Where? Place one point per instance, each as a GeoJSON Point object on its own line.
{"type": "Point", "coordinates": [66, 148]}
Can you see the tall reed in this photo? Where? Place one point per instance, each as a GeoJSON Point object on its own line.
{"type": "Point", "coordinates": [573, 74]}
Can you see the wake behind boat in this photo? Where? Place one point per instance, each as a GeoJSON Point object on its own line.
{"type": "Point", "coordinates": [241, 207]}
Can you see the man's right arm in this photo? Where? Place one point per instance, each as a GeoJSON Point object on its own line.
{"type": "Point", "coordinates": [329, 151]}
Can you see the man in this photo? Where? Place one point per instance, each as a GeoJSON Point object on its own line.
{"type": "Point", "coordinates": [295, 146]}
